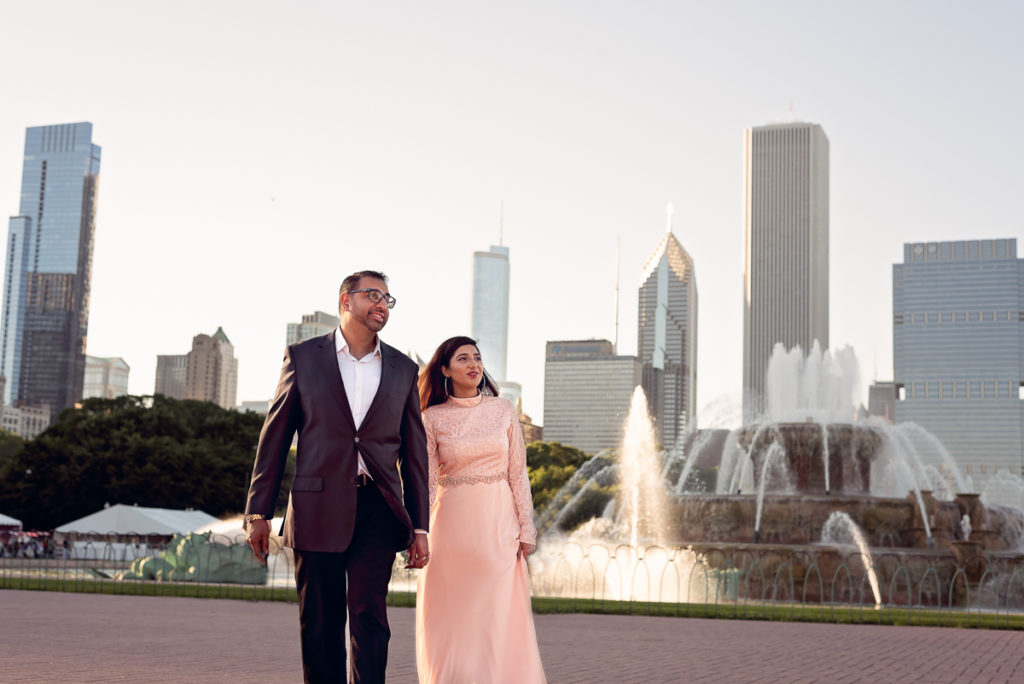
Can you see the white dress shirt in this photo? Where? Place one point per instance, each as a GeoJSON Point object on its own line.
{"type": "Point", "coordinates": [361, 378]}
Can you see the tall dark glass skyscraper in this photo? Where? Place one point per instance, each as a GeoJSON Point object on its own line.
{"type": "Point", "coordinates": [49, 268]}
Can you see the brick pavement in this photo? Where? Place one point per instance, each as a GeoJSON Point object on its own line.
{"type": "Point", "coordinates": [71, 638]}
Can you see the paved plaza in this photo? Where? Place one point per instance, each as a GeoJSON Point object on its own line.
{"type": "Point", "coordinates": [70, 638]}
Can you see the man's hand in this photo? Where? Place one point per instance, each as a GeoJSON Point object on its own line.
{"type": "Point", "coordinates": [258, 537]}
{"type": "Point", "coordinates": [419, 553]}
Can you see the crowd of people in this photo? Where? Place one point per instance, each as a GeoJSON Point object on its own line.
{"type": "Point", "coordinates": [26, 545]}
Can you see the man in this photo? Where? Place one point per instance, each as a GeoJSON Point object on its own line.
{"type": "Point", "coordinates": [360, 488]}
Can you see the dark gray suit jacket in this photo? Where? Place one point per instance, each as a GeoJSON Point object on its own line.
{"type": "Point", "coordinates": [310, 399]}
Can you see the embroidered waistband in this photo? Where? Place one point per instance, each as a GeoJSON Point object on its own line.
{"type": "Point", "coordinates": [453, 480]}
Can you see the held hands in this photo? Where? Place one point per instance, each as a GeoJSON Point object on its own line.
{"type": "Point", "coordinates": [418, 554]}
{"type": "Point", "coordinates": [258, 538]}
{"type": "Point", "coordinates": [525, 550]}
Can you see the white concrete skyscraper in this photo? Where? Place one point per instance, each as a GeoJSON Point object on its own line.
{"type": "Point", "coordinates": [667, 338]}
{"type": "Point", "coordinates": [785, 278]}
{"type": "Point", "coordinates": [490, 309]}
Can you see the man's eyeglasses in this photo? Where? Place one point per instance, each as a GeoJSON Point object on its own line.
{"type": "Point", "coordinates": [376, 295]}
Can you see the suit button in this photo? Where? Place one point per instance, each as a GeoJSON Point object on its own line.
{"type": "Point", "coordinates": [357, 440]}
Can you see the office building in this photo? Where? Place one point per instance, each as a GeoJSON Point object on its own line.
{"type": "Point", "coordinates": [49, 264]}
{"type": "Point", "coordinates": [587, 392]}
{"type": "Point", "coordinates": [105, 377]}
{"type": "Point", "coordinates": [312, 325]}
{"type": "Point", "coordinates": [260, 406]}
{"type": "Point", "coordinates": [958, 350]}
{"type": "Point", "coordinates": [667, 344]}
{"type": "Point", "coordinates": [490, 309]}
{"type": "Point", "coordinates": [211, 370]}
{"type": "Point", "coordinates": [170, 375]}
{"type": "Point", "coordinates": [25, 421]}
{"type": "Point", "coordinates": [785, 278]}
{"type": "Point", "coordinates": [882, 400]}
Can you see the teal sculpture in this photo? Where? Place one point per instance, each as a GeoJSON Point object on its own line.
{"type": "Point", "coordinates": [193, 557]}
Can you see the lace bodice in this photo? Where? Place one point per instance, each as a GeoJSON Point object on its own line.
{"type": "Point", "coordinates": [476, 440]}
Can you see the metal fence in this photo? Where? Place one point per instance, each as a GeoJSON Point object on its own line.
{"type": "Point", "coordinates": [838, 583]}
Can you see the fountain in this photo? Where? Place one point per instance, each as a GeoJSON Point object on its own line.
{"type": "Point", "coordinates": [838, 528]}
{"type": "Point", "coordinates": [786, 486]}
{"type": "Point", "coordinates": [644, 498]}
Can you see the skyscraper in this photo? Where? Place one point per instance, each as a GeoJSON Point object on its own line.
{"type": "Point", "coordinates": [958, 349]}
{"type": "Point", "coordinates": [587, 390]}
{"type": "Point", "coordinates": [49, 268]}
{"type": "Point", "coordinates": [312, 325]}
{"type": "Point", "coordinates": [490, 309]}
{"type": "Point", "coordinates": [211, 372]}
{"type": "Point", "coordinates": [667, 345]}
{"type": "Point", "coordinates": [785, 278]}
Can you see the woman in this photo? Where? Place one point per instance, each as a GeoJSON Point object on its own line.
{"type": "Point", "coordinates": [473, 616]}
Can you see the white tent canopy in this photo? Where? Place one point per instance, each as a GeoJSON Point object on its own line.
{"type": "Point", "coordinates": [122, 519]}
{"type": "Point", "coordinates": [8, 521]}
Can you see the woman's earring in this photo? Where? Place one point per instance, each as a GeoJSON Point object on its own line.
{"type": "Point", "coordinates": [445, 384]}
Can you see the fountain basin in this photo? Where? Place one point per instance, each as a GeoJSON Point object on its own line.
{"type": "Point", "coordinates": [799, 519]}
{"type": "Point", "coordinates": [850, 449]}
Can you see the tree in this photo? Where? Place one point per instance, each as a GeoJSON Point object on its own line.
{"type": "Point", "coordinates": [550, 465]}
{"type": "Point", "coordinates": [10, 445]}
{"type": "Point", "coordinates": [151, 451]}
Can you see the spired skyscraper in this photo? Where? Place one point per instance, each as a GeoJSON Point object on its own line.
{"type": "Point", "coordinates": [785, 276]}
{"type": "Point", "coordinates": [49, 268]}
{"type": "Point", "coordinates": [667, 344]}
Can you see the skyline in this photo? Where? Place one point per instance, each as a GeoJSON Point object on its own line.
{"type": "Point", "coordinates": [251, 162]}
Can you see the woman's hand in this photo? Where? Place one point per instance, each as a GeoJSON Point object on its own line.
{"type": "Point", "coordinates": [525, 550]}
{"type": "Point", "coordinates": [418, 554]}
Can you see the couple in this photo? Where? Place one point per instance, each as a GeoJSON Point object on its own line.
{"type": "Point", "coordinates": [372, 476]}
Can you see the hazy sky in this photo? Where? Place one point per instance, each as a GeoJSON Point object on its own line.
{"type": "Point", "coordinates": [254, 153]}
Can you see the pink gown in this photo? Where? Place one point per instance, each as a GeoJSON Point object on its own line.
{"type": "Point", "coordinates": [474, 624]}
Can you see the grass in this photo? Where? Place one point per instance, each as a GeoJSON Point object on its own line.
{"type": "Point", "coordinates": [753, 610]}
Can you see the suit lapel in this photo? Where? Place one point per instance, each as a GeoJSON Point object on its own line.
{"type": "Point", "coordinates": [329, 361]}
{"type": "Point", "coordinates": [387, 368]}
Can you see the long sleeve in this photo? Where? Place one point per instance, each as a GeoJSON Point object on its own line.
{"type": "Point", "coordinates": [431, 460]}
{"type": "Point", "coordinates": [519, 478]}
{"type": "Point", "coordinates": [282, 421]}
{"type": "Point", "coordinates": [413, 461]}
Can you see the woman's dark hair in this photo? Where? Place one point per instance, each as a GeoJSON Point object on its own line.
{"type": "Point", "coordinates": [431, 383]}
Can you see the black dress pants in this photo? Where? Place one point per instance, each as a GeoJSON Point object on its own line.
{"type": "Point", "coordinates": [324, 598]}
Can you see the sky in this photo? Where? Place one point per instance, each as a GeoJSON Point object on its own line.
{"type": "Point", "coordinates": [255, 153]}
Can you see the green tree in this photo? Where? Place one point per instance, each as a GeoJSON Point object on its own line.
{"type": "Point", "coordinates": [151, 451]}
{"type": "Point", "coordinates": [10, 445]}
{"type": "Point", "coordinates": [550, 465]}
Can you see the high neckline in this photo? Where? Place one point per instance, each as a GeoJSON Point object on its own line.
{"type": "Point", "coordinates": [466, 402]}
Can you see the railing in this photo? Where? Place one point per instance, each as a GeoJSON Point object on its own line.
{"type": "Point", "coordinates": [820, 583]}
{"type": "Point", "coordinates": [767, 582]}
